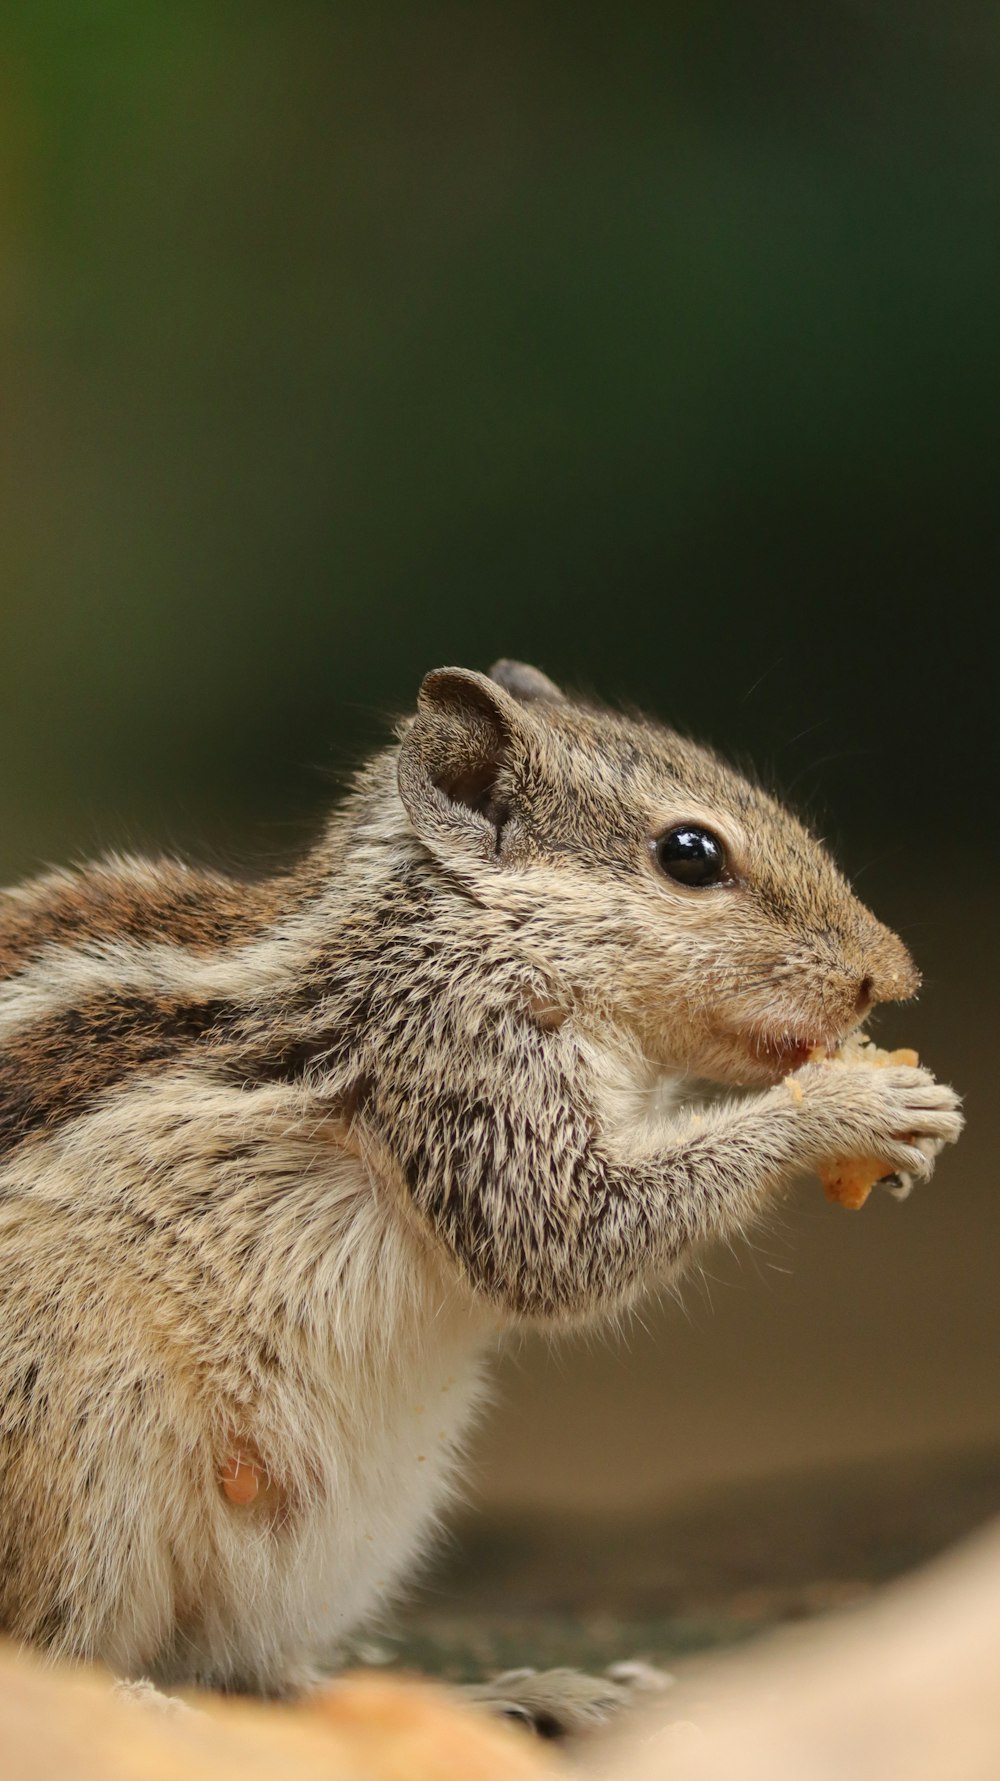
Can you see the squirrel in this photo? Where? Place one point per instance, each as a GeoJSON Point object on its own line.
{"type": "Point", "coordinates": [280, 1160]}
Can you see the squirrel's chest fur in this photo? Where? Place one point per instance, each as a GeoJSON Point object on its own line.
{"type": "Point", "coordinates": [356, 1436]}
{"type": "Point", "coordinates": [357, 1442]}
{"type": "Point", "coordinates": [187, 1273]}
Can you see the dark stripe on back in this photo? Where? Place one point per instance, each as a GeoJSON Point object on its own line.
{"type": "Point", "coordinates": [53, 1070]}
{"type": "Point", "coordinates": [201, 911]}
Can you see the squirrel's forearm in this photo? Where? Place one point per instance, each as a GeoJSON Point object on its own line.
{"type": "Point", "coordinates": [550, 1218]}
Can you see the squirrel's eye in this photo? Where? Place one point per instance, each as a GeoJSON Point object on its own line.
{"type": "Point", "coordinates": [692, 856]}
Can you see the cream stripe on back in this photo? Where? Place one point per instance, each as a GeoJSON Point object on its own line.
{"type": "Point", "coordinates": [62, 977]}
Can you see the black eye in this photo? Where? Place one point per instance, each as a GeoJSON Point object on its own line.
{"type": "Point", "coordinates": [692, 856]}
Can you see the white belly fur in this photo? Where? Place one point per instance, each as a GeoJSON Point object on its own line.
{"type": "Point", "coordinates": [279, 1604]}
{"type": "Point", "coordinates": [374, 1373]}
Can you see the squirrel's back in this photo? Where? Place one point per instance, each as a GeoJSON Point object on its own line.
{"type": "Point", "coordinates": [133, 899]}
{"type": "Point", "coordinates": [110, 968]}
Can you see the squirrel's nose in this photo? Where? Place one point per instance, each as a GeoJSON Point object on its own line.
{"type": "Point", "coordinates": [891, 977]}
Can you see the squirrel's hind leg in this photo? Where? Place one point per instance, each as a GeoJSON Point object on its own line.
{"type": "Point", "coordinates": [564, 1703]}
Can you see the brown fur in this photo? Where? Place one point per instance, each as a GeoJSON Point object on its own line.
{"type": "Point", "coordinates": [281, 1162]}
{"type": "Point", "coordinates": [140, 899]}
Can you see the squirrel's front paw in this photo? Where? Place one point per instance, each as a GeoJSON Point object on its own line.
{"type": "Point", "coordinates": [900, 1116]}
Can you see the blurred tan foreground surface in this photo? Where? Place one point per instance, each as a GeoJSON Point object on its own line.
{"type": "Point", "coordinates": [61, 1725]}
{"type": "Point", "coordinates": [907, 1689]}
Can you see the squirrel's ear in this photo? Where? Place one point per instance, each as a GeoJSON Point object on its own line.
{"type": "Point", "coordinates": [452, 755]}
{"type": "Point", "coordinates": [523, 682]}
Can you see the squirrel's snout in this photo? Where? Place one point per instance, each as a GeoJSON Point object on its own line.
{"type": "Point", "coordinates": [891, 976]}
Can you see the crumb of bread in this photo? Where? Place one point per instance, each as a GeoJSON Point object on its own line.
{"type": "Point", "coordinates": [859, 1049]}
{"type": "Point", "coordinates": [848, 1181]}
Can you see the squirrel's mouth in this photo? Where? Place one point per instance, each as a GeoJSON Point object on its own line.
{"type": "Point", "coordinates": [779, 1052]}
{"type": "Point", "coordinates": [782, 1053]}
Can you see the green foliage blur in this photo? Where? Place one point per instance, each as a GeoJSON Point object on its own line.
{"type": "Point", "coordinates": [658, 345]}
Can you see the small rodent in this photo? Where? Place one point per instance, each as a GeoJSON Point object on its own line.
{"type": "Point", "coordinates": [281, 1159]}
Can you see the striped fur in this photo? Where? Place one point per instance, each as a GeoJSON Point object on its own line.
{"type": "Point", "coordinates": [133, 899]}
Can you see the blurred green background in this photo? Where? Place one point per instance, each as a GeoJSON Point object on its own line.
{"type": "Point", "coordinates": [657, 345]}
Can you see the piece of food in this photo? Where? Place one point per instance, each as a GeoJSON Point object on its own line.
{"type": "Point", "coordinates": [859, 1049]}
{"type": "Point", "coordinates": [849, 1180]}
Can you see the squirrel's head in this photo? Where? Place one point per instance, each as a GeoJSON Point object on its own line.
{"type": "Point", "coordinates": [649, 884]}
